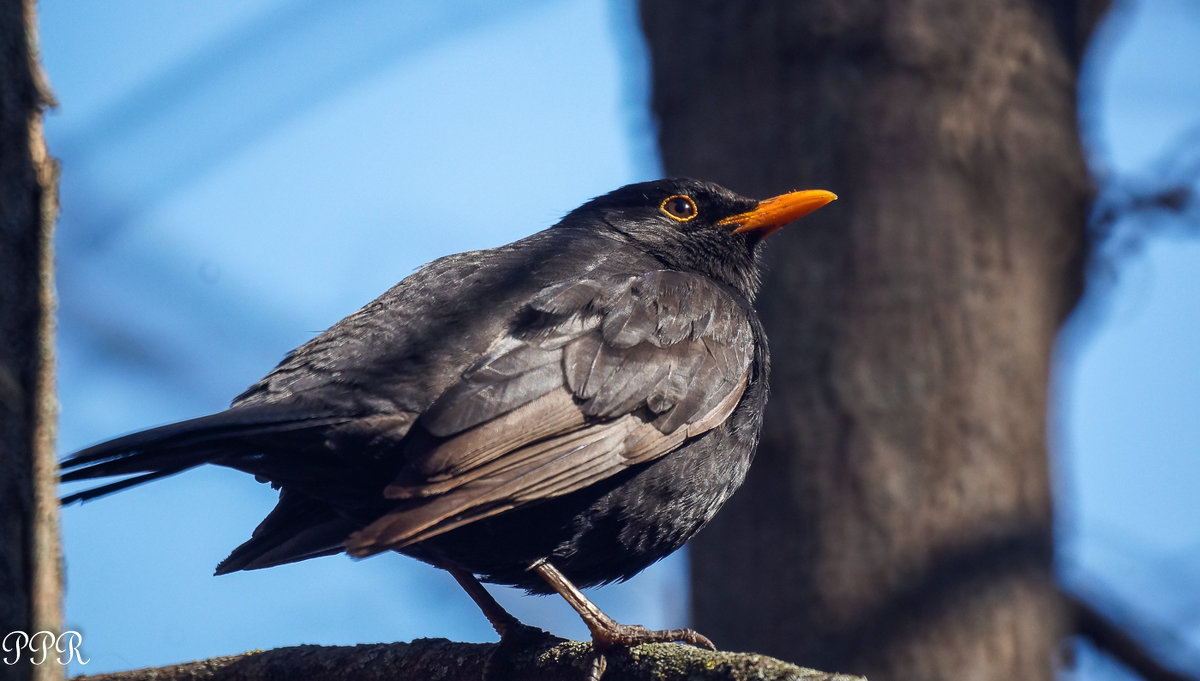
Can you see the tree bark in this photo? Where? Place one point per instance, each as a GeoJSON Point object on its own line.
{"type": "Point", "coordinates": [449, 661]}
{"type": "Point", "coordinates": [897, 522]}
{"type": "Point", "coordinates": [29, 556]}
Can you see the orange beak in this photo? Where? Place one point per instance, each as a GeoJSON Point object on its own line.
{"type": "Point", "coordinates": [773, 213]}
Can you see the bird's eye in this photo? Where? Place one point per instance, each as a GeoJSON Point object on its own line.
{"type": "Point", "coordinates": [679, 207]}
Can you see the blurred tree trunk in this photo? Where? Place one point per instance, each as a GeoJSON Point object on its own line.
{"type": "Point", "coordinates": [29, 556]}
{"type": "Point", "coordinates": [897, 522]}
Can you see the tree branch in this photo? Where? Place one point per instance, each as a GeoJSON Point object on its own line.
{"type": "Point", "coordinates": [1115, 640]}
{"type": "Point", "coordinates": [435, 658]}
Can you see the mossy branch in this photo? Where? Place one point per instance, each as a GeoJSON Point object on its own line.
{"type": "Point", "coordinates": [436, 659]}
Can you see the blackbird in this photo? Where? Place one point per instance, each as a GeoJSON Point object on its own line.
{"type": "Point", "coordinates": [555, 413]}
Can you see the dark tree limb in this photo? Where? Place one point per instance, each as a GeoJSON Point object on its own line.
{"type": "Point", "coordinates": [1130, 209]}
{"type": "Point", "coordinates": [29, 556]}
{"type": "Point", "coordinates": [442, 660]}
{"type": "Point", "coordinates": [1114, 636]}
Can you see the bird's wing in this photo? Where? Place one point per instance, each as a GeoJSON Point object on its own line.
{"type": "Point", "coordinates": [596, 376]}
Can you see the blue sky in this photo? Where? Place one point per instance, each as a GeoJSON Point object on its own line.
{"type": "Point", "coordinates": [1125, 426]}
{"type": "Point", "coordinates": [238, 176]}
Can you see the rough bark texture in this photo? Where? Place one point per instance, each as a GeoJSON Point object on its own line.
{"type": "Point", "coordinates": [897, 521]}
{"type": "Point", "coordinates": [29, 558]}
{"type": "Point", "coordinates": [442, 660]}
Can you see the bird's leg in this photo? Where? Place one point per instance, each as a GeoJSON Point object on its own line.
{"type": "Point", "coordinates": [607, 633]}
{"type": "Point", "coordinates": [509, 627]}
{"type": "Point", "coordinates": [514, 635]}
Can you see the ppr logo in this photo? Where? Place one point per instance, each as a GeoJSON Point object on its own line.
{"type": "Point", "coordinates": [40, 645]}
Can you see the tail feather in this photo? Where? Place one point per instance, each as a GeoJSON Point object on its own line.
{"type": "Point", "coordinates": [166, 450]}
{"type": "Point", "coordinates": [299, 527]}
{"type": "Point", "coordinates": [150, 459]}
{"type": "Point", "coordinates": [119, 485]}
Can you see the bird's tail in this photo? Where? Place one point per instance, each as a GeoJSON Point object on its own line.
{"type": "Point", "coordinates": [226, 438]}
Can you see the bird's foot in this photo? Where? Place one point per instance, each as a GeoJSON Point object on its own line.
{"type": "Point", "coordinates": [607, 633]}
{"type": "Point", "coordinates": [516, 642]}
{"type": "Point", "coordinates": [517, 634]}
{"type": "Point", "coordinates": [612, 635]}
{"type": "Point", "coordinates": [610, 638]}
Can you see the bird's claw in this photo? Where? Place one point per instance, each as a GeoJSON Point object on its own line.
{"type": "Point", "coordinates": [629, 635]}
{"type": "Point", "coordinates": [515, 638]}
{"type": "Point", "coordinates": [521, 635]}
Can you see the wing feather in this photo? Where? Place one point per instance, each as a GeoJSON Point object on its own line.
{"type": "Point", "coordinates": [599, 376]}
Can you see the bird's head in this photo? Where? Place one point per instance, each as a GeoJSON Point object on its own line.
{"type": "Point", "coordinates": [696, 226]}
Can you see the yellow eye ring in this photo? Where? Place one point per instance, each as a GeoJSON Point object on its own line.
{"type": "Point", "coordinates": [679, 208]}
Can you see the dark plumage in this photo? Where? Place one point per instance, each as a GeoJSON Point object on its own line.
{"type": "Point", "coordinates": [572, 406]}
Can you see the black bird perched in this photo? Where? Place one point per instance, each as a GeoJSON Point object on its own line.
{"type": "Point", "coordinates": [563, 410]}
